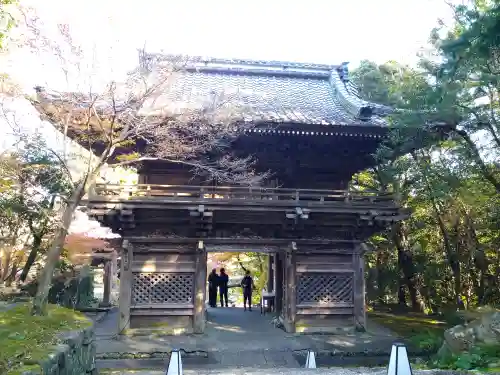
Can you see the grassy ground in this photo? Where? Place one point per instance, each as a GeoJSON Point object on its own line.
{"type": "Point", "coordinates": [27, 339]}
{"type": "Point", "coordinates": [409, 324]}
{"type": "Point", "coordinates": [422, 333]}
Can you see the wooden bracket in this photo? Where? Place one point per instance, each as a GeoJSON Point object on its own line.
{"type": "Point", "coordinates": [200, 211]}
{"type": "Point", "coordinates": [298, 213]}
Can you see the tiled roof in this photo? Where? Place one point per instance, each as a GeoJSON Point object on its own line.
{"type": "Point", "coordinates": [274, 91]}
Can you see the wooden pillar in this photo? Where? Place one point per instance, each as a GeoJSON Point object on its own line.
{"type": "Point", "coordinates": [274, 273]}
{"type": "Point", "coordinates": [270, 273]}
{"type": "Point", "coordinates": [114, 272]}
{"type": "Point", "coordinates": [200, 279]}
{"type": "Point", "coordinates": [278, 268]}
{"type": "Point", "coordinates": [107, 280]}
{"type": "Point", "coordinates": [291, 286]}
{"type": "Point", "coordinates": [125, 286]}
{"type": "Point", "coordinates": [359, 289]}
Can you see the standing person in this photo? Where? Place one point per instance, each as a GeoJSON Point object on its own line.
{"type": "Point", "coordinates": [223, 281]}
{"type": "Point", "coordinates": [248, 286]}
{"type": "Point", "coordinates": [213, 284]}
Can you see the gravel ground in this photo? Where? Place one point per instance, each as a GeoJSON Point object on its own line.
{"type": "Point", "coordinates": [267, 371]}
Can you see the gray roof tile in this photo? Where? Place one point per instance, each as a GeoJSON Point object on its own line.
{"type": "Point", "coordinates": [274, 91]}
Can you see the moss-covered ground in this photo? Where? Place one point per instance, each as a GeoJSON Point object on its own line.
{"type": "Point", "coordinates": [25, 339]}
{"type": "Point", "coordinates": [422, 332]}
{"type": "Point", "coordinates": [409, 324]}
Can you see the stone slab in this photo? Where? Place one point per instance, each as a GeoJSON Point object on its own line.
{"type": "Point", "coordinates": [232, 330]}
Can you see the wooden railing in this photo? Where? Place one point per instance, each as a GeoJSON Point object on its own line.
{"type": "Point", "coordinates": [110, 192]}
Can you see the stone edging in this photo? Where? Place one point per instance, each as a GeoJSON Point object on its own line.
{"type": "Point", "coordinates": [201, 353]}
{"type": "Point", "coordinates": [74, 356]}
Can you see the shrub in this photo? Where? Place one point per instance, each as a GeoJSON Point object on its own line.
{"type": "Point", "coordinates": [69, 290]}
{"type": "Point", "coordinates": [427, 341]}
{"type": "Point", "coordinates": [478, 358]}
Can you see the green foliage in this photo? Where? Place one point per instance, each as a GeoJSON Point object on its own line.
{"type": "Point", "coordinates": [482, 357]}
{"type": "Point", "coordinates": [256, 263]}
{"type": "Point", "coordinates": [69, 291]}
{"type": "Point", "coordinates": [33, 180]}
{"type": "Point", "coordinates": [428, 342]}
{"type": "Point", "coordinates": [441, 162]}
{"type": "Point", "coordinates": [26, 339]}
{"type": "Point", "coordinates": [7, 20]}
{"type": "Point", "coordinates": [444, 256]}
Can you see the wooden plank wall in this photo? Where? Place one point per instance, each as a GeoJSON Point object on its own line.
{"type": "Point", "coordinates": [163, 291]}
{"type": "Point", "coordinates": [325, 296]}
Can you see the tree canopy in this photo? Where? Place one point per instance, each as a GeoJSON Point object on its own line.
{"type": "Point", "coordinates": [447, 254]}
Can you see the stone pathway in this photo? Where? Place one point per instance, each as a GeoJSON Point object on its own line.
{"type": "Point", "coordinates": [232, 330]}
{"type": "Point", "coordinates": [234, 339]}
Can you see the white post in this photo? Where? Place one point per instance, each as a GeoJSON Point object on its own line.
{"type": "Point", "coordinates": [175, 363]}
{"type": "Point", "coordinates": [399, 364]}
{"type": "Point", "coordinates": [310, 360]}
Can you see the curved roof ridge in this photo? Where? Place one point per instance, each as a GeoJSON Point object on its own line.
{"type": "Point", "coordinates": [346, 93]}
{"type": "Point", "coordinates": [348, 96]}
{"type": "Point", "coordinates": [159, 57]}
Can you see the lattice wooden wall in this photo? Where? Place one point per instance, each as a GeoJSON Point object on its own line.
{"type": "Point", "coordinates": [162, 288]}
{"type": "Point", "coordinates": [317, 288]}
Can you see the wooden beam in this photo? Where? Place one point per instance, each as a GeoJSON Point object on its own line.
{"type": "Point", "coordinates": [200, 278]}
{"type": "Point", "coordinates": [214, 248]}
{"type": "Point", "coordinates": [125, 286]}
{"type": "Point", "coordinates": [241, 241]}
{"type": "Point", "coordinates": [162, 203]}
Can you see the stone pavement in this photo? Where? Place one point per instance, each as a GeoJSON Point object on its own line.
{"type": "Point", "coordinates": [284, 371]}
{"type": "Point", "coordinates": [234, 338]}
{"type": "Point", "coordinates": [234, 331]}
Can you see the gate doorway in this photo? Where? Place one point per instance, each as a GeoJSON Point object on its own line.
{"type": "Point", "coordinates": [236, 265]}
{"type": "Point", "coordinates": [235, 319]}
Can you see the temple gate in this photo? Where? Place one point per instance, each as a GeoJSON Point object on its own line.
{"type": "Point", "coordinates": [315, 133]}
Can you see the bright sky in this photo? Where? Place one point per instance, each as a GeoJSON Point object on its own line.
{"type": "Point", "coordinates": [321, 31]}
{"type": "Point", "coordinates": [318, 31]}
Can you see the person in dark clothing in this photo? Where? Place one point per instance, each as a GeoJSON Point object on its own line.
{"type": "Point", "coordinates": [223, 281]}
{"type": "Point", "coordinates": [213, 284]}
{"type": "Point", "coordinates": [248, 286]}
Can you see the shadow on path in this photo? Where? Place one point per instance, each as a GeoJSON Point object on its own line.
{"type": "Point", "coordinates": [237, 321]}
{"type": "Point", "coordinates": [232, 330]}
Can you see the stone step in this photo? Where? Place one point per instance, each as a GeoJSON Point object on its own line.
{"type": "Point", "coordinates": [269, 359]}
{"type": "Point", "coordinates": [249, 358]}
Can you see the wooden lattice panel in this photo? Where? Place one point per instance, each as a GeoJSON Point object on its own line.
{"type": "Point", "coordinates": [157, 288]}
{"type": "Point", "coordinates": [320, 288]}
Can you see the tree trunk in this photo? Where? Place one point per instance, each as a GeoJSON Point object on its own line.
{"type": "Point", "coordinates": [401, 281]}
{"type": "Point", "coordinates": [6, 264]}
{"type": "Point", "coordinates": [455, 235]}
{"type": "Point", "coordinates": [12, 276]}
{"type": "Point", "coordinates": [241, 263]}
{"type": "Point", "coordinates": [406, 266]}
{"type": "Point", "coordinates": [8, 255]}
{"type": "Point", "coordinates": [451, 254]}
{"type": "Point", "coordinates": [480, 260]}
{"type": "Point", "coordinates": [378, 276]}
{"type": "Point", "coordinates": [45, 278]}
{"type": "Point", "coordinates": [35, 248]}
{"type": "Point", "coordinates": [54, 253]}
